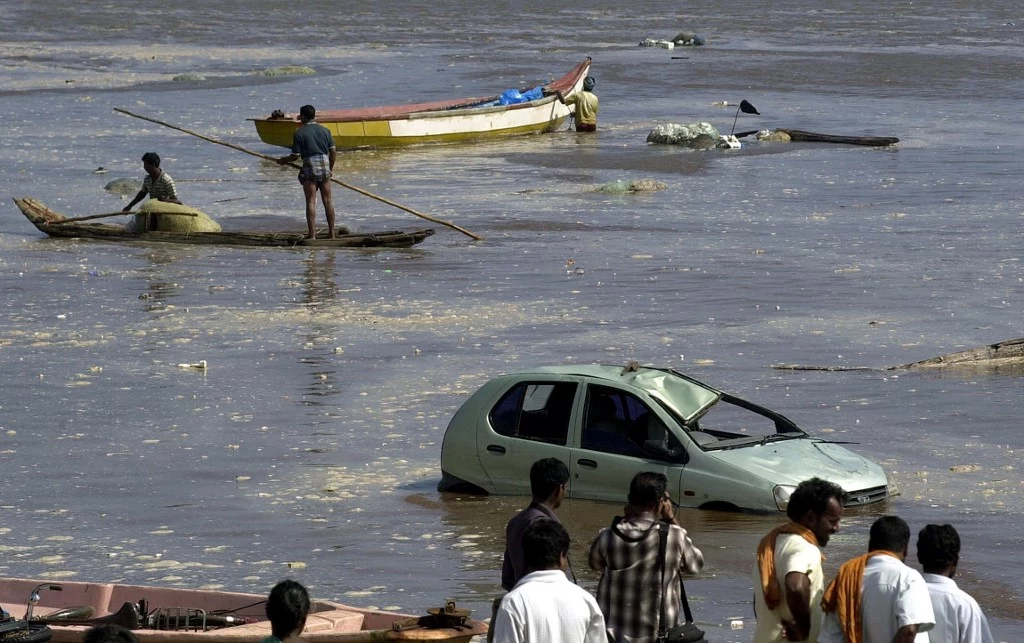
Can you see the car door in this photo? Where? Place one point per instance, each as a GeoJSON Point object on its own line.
{"type": "Point", "coordinates": [609, 451]}
{"type": "Point", "coordinates": [530, 420]}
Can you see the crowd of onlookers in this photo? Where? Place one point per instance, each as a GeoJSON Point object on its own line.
{"type": "Point", "coordinates": [643, 555]}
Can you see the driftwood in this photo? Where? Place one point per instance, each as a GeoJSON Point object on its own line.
{"type": "Point", "coordinates": [1002, 353]}
{"type": "Point", "coordinates": [802, 136]}
{"type": "Point", "coordinates": [814, 137]}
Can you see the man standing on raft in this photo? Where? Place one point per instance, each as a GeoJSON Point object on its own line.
{"type": "Point", "coordinates": [314, 144]}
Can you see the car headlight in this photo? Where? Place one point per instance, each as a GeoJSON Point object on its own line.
{"type": "Point", "coordinates": [891, 487]}
{"type": "Point", "coordinates": [782, 493]}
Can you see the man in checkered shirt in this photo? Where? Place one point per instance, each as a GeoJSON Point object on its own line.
{"type": "Point", "coordinates": [631, 592]}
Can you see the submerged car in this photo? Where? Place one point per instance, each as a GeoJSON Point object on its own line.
{"type": "Point", "coordinates": [608, 423]}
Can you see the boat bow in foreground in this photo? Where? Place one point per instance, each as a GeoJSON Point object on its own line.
{"type": "Point", "coordinates": [170, 615]}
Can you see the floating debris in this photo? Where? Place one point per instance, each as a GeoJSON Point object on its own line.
{"type": "Point", "coordinates": [964, 468]}
{"type": "Point", "coordinates": [287, 70]}
{"type": "Point", "coordinates": [623, 186]}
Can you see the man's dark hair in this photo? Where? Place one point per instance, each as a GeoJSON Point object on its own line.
{"type": "Point", "coordinates": [647, 489]}
{"type": "Point", "coordinates": [307, 112]}
{"type": "Point", "coordinates": [890, 533]}
{"type": "Point", "coordinates": [813, 495]}
{"type": "Point", "coordinates": [938, 547]}
{"type": "Point", "coordinates": [109, 633]}
{"type": "Point", "coordinates": [544, 542]}
{"type": "Point", "coordinates": [152, 158]}
{"type": "Point", "coordinates": [546, 476]}
{"type": "Point", "coordinates": [287, 608]}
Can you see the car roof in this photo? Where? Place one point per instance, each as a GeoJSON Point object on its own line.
{"type": "Point", "coordinates": [686, 396]}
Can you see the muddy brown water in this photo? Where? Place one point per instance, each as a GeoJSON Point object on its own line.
{"type": "Point", "coordinates": [309, 447]}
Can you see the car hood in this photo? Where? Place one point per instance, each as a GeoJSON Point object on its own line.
{"type": "Point", "coordinates": [794, 460]}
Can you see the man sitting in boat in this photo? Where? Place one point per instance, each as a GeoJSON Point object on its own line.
{"type": "Point", "coordinates": [586, 104]}
{"type": "Point", "coordinates": [157, 184]}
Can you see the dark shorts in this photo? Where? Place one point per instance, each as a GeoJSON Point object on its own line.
{"type": "Point", "coordinates": [586, 127]}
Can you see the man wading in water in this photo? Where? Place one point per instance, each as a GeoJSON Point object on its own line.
{"type": "Point", "coordinates": [315, 145]}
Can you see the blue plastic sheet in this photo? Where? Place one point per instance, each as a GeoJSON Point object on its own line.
{"type": "Point", "coordinates": [511, 97]}
{"type": "Point", "coordinates": [534, 94]}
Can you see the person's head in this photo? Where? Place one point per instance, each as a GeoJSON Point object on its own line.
{"type": "Point", "coordinates": [287, 608]}
{"type": "Point", "coordinates": [307, 113]}
{"type": "Point", "coordinates": [548, 478]}
{"type": "Point", "coordinates": [890, 533]}
{"type": "Point", "coordinates": [151, 159]}
{"type": "Point", "coordinates": [109, 633]}
{"type": "Point", "coordinates": [647, 490]}
{"type": "Point", "coordinates": [588, 83]}
{"type": "Point", "coordinates": [545, 546]}
{"type": "Point", "coordinates": [938, 549]}
{"type": "Point", "coordinates": [818, 505]}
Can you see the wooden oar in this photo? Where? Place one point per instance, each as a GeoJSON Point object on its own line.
{"type": "Point", "coordinates": [333, 180]}
{"type": "Point", "coordinates": [120, 214]}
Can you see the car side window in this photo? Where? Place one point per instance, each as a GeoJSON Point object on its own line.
{"type": "Point", "coordinates": [535, 411]}
{"type": "Point", "coordinates": [619, 422]}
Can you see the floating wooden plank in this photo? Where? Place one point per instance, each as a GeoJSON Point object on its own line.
{"type": "Point", "coordinates": [801, 136]}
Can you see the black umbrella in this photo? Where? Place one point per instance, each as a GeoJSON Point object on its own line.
{"type": "Point", "coordinates": [746, 108]}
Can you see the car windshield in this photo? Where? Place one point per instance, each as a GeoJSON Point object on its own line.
{"type": "Point", "coordinates": [733, 423]}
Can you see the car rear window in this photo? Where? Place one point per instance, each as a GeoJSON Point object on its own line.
{"type": "Point", "coordinates": [535, 411]}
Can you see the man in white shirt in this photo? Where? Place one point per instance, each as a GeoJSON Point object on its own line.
{"type": "Point", "coordinates": [545, 606]}
{"type": "Point", "coordinates": [958, 618]}
{"type": "Point", "coordinates": [876, 598]}
{"type": "Point", "coordinates": [788, 581]}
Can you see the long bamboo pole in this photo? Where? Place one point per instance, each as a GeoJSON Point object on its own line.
{"type": "Point", "coordinates": [333, 180]}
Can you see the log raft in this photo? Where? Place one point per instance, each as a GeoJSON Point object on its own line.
{"type": "Point", "coordinates": [1006, 353]}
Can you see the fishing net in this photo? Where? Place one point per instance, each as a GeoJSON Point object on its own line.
{"type": "Point", "coordinates": [172, 217]}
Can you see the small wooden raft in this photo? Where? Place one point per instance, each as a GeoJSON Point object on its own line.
{"type": "Point", "coordinates": [55, 224]}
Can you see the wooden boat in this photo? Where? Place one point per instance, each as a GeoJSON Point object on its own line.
{"type": "Point", "coordinates": [50, 222]}
{"type": "Point", "coordinates": [169, 615]}
{"type": "Point", "coordinates": [814, 137]}
{"type": "Point", "coordinates": [462, 119]}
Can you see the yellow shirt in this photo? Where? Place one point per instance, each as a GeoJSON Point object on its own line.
{"type": "Point", "coordinates": [586, 107]}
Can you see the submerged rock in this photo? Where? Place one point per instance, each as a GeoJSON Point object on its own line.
{"type": "Point", "coordinates": [773, 136]}
{"type": "Point", "coordinates": [683, 39]}
{"type": "Point", "coordinates": [124, 186]}
{"type": "Point", "coordinates": [695, 135]}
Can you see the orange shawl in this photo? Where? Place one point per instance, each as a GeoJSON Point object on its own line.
{"type": "Point", "coordinates": [766, 560]}
{"type": "Point", "coordinates": [843, 594]}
